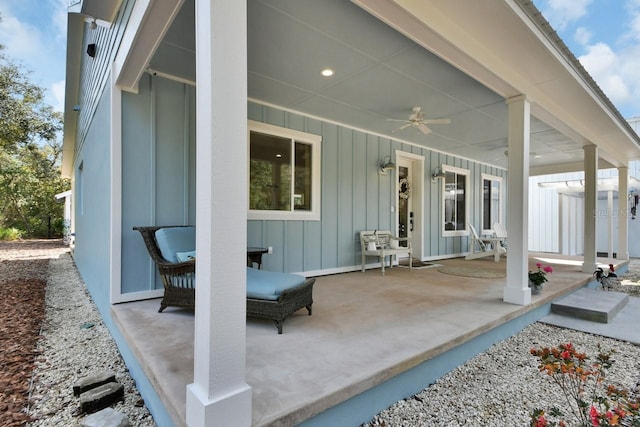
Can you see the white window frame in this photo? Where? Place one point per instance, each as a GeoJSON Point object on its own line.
{"type": "Point", "coordinates": [487, 177]}
{"type": "Point", "coordinates": [316, 163]}
{"type": "Point", "coordinates": [466, 173]}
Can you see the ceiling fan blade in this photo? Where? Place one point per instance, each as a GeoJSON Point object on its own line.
{"type": "Point", "coordinates": [437, 121]}
{"type": "Point", "coordinates": [396, 120]}
{"type": "Point", "coordinates": [406, 125]}
{"type": "Point", "coordinates": [424, 129]}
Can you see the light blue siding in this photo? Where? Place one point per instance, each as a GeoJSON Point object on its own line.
{"type": "Point", "coordinates": [355, 197]}
{"type": "Point", "coordinates": [92, 216]}
{"type": "Point", "coordinates": [158, 170]}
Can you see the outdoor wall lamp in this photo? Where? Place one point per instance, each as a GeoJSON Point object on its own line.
{"type": "Point", "coordinates": [386, 166]}
{"type": "Point", "coordinates": [438, 173]}
{"type": "Point", "coordinates": [91, 50]}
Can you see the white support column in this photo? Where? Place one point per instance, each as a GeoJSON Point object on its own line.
{"type": "Point", "coordinates": [590, 206]}
{"type": "Point", "coordinates": [219, 395]}
{"type": "Point", "coordinates": [517, 289]}
{"type": "Point", "coordinates": [623, 213]}
{"type": "Point", "coordinates": [610, 224]}
{"type": "Point", "coordinates": [562, 227]}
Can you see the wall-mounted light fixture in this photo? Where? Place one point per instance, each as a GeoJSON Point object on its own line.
{"type": "Point", "coordinates": [93, 25]}
{"type": "Point", "coordinates": [438, 173]}
{"type": "Point", "coordinates": [91, 50]}
{"type": "Point", "coordinates": [386, 166]}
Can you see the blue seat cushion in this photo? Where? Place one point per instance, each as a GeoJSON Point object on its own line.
{"type": "Point", "coordinates": [269, 285]}
{"type": "Point", "coordinates": [172, 240]}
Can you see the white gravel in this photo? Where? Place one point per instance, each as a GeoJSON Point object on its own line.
{"type": "Point", "coordinates": [75, 344]}
{"type": "Point", "coordinates": [499, 387]}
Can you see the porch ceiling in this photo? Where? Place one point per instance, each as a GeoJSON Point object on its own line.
{"type": "Point", "coordinates": [380, 74]}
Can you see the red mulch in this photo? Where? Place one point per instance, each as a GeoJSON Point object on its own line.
{"type": "Point", "coordinates": [22, 311]}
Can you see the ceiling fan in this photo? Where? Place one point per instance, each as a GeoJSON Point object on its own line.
{"type": "Point", "coordinates": [417, 120]}
{"type": "Point", "coordinates": [532, 154]}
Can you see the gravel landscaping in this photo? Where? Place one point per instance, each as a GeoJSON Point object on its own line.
{"type": "Point", "coordinates": [52, 335]}
{"type": "Point", "coordinates": [501, 386]}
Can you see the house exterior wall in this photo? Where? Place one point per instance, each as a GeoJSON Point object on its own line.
{"type": "Point", "coordinates": [95, 72]}
{"type": "Point", "coordinates": [158, 170]}
{"type": "Point", "coordinates": [158, 175]}
{"type": "Point", "coordinates": [92, 206]}
{"type": "Point", "coordinates": [354, 198]}
{"type": "Point", "coordinates": [556, 221]}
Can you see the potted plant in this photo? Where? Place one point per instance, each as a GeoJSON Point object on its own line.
{"type": "Point", "coordinates": [539, 277]}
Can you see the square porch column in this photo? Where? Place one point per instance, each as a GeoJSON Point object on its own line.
{"type": "Point", "coordinates": [590, 206]}
{"type": "Point", "coordinates": [623, 213]}
{"type": "Point", "coordinates": [219, 394]}
{"type": "Point", "coordinates": [517, 289]}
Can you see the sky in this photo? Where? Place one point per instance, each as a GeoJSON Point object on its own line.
{"type": "Point", "coordinates": [603, 34]}
{"type": "Point", "coordinates": [605, 37]}
{"type": "Point", "coordinates": [33, 33]}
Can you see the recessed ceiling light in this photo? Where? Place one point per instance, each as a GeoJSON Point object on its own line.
{"type": "Point", "coordinates": [327, 72]}
{"type": "Point", "coordinates": [278, 155]}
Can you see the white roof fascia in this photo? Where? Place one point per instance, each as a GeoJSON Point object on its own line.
{"type": "Point", "coordinates": [149, 22]}
{"type": "Point", "coordinates": [75, 32]}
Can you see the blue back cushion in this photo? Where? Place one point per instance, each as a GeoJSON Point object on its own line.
{"type": "Point", "coordinates": [175, 239]}
{"type": "Point", "coordinates": [269, 285]}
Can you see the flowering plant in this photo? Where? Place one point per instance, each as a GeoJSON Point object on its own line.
{"type": "Point", "coordinates": [539, 276]}
{"type": "Point", "coordinates": [581, 382]}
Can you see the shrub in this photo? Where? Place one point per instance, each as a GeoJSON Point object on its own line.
{"type": "Point", "coordinates": [10, 234]}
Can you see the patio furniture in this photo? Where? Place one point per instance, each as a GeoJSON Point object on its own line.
{"type": "Point", "coordinates": [382, 244]}
{"type": "Point", "coordinates": [501, 233]}
{"type": "Point", "coordinates": [480, 247]}
{"type": "Point", "coordinates": [270, 295]}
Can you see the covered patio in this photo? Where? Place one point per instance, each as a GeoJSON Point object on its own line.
{"type": "Point", "coordinates": [365, 330]}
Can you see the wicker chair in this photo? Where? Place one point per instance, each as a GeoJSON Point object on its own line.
{"type": "Point", "coordinates": [179, 286]}
{"type": "Point", "coordinates": [178, 278]}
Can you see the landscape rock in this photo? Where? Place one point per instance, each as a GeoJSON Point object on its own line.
{"type": "Point", "coordinates": [100, 397]}
{"type": "Point", "coordinates": [107, 417]}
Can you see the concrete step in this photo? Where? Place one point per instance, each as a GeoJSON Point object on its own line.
{"type": "Point", "coordinates": [590, 304]}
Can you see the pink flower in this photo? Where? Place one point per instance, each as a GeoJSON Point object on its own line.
{"type": "Point", "coordinates": [548, 269]}
{"type": "Point", "coordinates": [593, 413]}
{"type": "Point", "coordinates": [538, 264]}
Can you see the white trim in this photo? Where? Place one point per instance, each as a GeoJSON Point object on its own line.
{"type": "Point", "coordinates": [115, 243]}
{"type": "Point", "coordinates": [418, 204]}
{"type": "Point", "coordinates": [467, 209]}
{"type": "Point", "coordinates": [501, 206]}
{"type": "Point", "coordinates": [168, 76]}
{"type": "Point", "coordinates": [137, 296]}
{"type": "Point", "coordinates": [316, 173]}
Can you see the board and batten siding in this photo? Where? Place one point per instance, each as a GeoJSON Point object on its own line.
{"type": "Point", "coordinates": [355, 198]}
{"type": "Point", "coordinates": [158, 175]}
{"type": "Point", "coordinates": [96, 72]}
{"type": "Point", "coordinates": [158, 170]}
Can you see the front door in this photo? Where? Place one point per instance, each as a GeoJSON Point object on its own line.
{"type": "Point", "coordinates": [405, 206]}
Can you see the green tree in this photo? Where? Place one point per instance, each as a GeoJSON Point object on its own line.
{"type": "Point", "coordinates": [30, 155]}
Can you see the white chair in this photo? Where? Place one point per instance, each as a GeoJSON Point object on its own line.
{"type": "Point", "coordinates": [501, 233]}
{"type": "Point", "coordinates": [480, 247]}
{"type": "Point", "coordinates": [383, 244]}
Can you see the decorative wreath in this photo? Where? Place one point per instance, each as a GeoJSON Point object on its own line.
{"type": "Point", "coordinates": [405, 188]}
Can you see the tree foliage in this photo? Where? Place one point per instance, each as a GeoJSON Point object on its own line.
{"type": "Point", "coordinates": [30, 155]}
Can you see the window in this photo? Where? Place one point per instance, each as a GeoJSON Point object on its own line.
{"type": "Point", "coordinates": [284, 173]}
{"type": "Point", "coordinates": [491, 202]}
{"type": "Point", "coordinates": [455, 204]}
